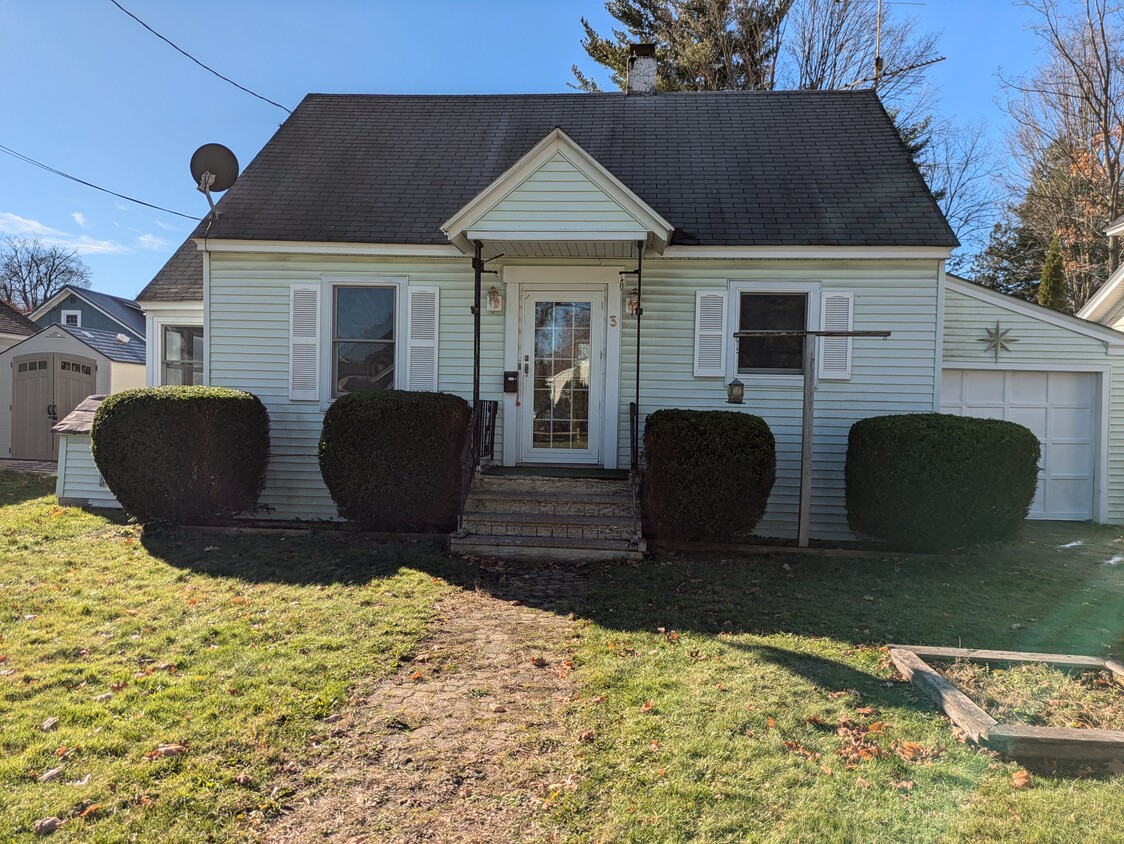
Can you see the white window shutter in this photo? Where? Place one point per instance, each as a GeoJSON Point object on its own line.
{"type": "Point", "coordinates": [710, 334]}
{"type": "Point", "coordinates": [421, 363]}
{"type": "Point", "coordinates": [835, 352]}
{"type": "Point", "coordinates": [304, 342]}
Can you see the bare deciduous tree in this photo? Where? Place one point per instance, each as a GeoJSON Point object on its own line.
{"type": "Point", "coordinates": [31, 272]}
{"type": "Point", "coordinates": [1067, 139]}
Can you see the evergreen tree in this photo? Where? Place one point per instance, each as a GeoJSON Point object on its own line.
{"type": "Point", "coordinates": [1051, 290]}
{"type": "Point", "coordinates": [1012, 260]}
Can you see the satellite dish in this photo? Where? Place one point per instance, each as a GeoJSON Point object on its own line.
{"type": "Point", "coordinates": [214, 168]}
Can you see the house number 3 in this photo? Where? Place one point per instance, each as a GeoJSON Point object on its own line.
{"type": "Point", "coordinates": [613, 321]}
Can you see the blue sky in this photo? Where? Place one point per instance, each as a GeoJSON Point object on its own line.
{"type": "Point", "coordinates": [88, 91]}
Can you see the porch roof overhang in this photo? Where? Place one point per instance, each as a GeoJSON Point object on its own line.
{"type": "Point", "coordinates": [558, 201]}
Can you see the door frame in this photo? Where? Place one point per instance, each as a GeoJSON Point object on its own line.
{"type": "Point", "coordinates": [584, 277]}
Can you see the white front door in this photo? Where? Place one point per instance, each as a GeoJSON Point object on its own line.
{"type": "Point", "coordinates": [562, 368]}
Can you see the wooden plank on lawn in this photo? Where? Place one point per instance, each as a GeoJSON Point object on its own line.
{"type": "Point", "coordinates": [980, 655]}
{"type": "Point", "coordinates": [956, 705]}
{"type": "Point", "coordinates": [1057, 743]}
{"type": "Point", "coordinates": [1117, 670]}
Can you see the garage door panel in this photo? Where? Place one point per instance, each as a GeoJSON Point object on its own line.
{"type": "Point", "coordinates": [1071, 423]}
{"type": "Point", "coordinates": [1072, 388]}
{"type": "Point", "coordinates": [982, 387]}
{"type": "Point", "coordinates": [1032, 417]}
{"type": "Point", "coordinates": [1028, 387]}
{"type": "Point", "coordinates": [1060, 408]}
{"type": "Point", "coordinates": [1070, 459]}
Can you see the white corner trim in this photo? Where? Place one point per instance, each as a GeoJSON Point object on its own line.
{"type": "Point", "coordinates": [823, 253]}
{"type": "Point", "coordinates": [556, 142]}
{"type": "Point", "coordinates": [1091, 310]}
{"type": "Point", "coordinates": [1107, 335]}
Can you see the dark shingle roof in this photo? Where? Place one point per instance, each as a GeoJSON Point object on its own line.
{"type": "Point", "coordinates": [81, 419]}
{"type": "Point", "coordinates": [125, 311]}
{"type": "Point", "coordinates": [13, 322]}
{"type": "Point", "coordinates": [107, 343]}
{"type": "Point", "coordinates": [179, 280]}
{"type": "Point", "coordinates": [754, 168]}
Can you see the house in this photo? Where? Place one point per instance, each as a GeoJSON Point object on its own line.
{"type": "Point", "coordinates": [14, 326]}
{"type": "Point", "coordinates": [619, 242]}
{"type": "Point", "coordinates": [79, 307]}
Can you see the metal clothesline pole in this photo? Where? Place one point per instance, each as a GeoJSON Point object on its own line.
{"type": "Point", "coordinates": [807, 417]}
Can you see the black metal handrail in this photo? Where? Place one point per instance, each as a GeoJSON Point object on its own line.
{"type": "Point", "coordinates": [634, 438]}
{"type": "Point", "coordinates": [479, 445]}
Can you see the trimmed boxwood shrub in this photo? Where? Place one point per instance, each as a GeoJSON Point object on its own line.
{"type": "Point", "coordinates": [709, 473]}
{"type": "Point", "coordinates": [391, 458]}
{"type": "Point", "coordinates": [185, 455]}
{"type": "Point", "coordinates": [930, 481]}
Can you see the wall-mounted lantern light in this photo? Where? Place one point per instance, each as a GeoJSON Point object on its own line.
{"type": "Point", "coordinates": [633, 304]}
{"type": "Point", "coordinates": [735, 392]}
{"type": "Point", "coordinates": [495, 300]}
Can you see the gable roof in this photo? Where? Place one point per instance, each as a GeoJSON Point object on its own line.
{"type": "Point", "coordinates": [106, 343]}
{"type": "Point", "coordinates": [12, 322]}
{"type": "Point", "coordinates": [605, 208]}
{"type": "Point", "coordinates": [724, 168]}
{"type": "Point", "coordinates": [125, 312]}
{"type": "Point", "coordinates": [1103, 305]}
{"type": "Point", "coordinates": [1036, 311]}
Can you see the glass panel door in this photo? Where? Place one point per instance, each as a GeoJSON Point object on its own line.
{"type": "Point", "coordinates": [561, 378]}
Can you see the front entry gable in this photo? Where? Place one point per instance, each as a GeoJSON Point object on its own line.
{"type": "Point", "coordinates": [557, 192]}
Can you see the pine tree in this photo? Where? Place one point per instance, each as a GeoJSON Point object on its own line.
{"type": "Point", "coordinates": [1051, 290]}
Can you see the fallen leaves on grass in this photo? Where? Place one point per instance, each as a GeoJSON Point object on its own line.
{"type": "Point", "coordinates": [856, 746]}
{"type": "Point", "coordinates": [498, 707]}
{"type": "Point", "coordinates": [538, 662]}
{"type": "Point", "coordinates": [47, 776]}
{"type": "Point", "coordinates": [911, 751]}
{"type": "Point", "coordinates": [800, 750]}
{"type": "Point", "coordinates": [647, 706]}
{"type": "Point", "coordinates": [243, 780]}
{"type": "Point", "coordinates": [1020, 779]}
{"type": "Point", "coordinates": [46, 826]}
{"type": "Point", "coordinates": [586, 736]}
{"type": "Point", "coordinates": [164, 750]}
{"type": "Point", "coordinates": [89, 810]}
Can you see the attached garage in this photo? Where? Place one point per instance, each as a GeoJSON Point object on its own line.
{"type": "Point", "coordinates": [50, 374]}
{"type": "Point", "coordinates": [1058, 375]}
{"type": "Point", "coordinates": [1063, 411]}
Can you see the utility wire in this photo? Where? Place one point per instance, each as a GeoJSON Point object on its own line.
{"type": "Point", "coordinates": [205, 67]}
{"type": "Point", "coordinates": [49, 169]}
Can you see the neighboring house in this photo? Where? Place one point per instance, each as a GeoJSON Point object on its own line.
{"type": "Point", "coordinates": [344, 259]}
{"type": "Point", "coordinates": [78, 307]}
{"type": "Point", "coordinates": [14, 327]}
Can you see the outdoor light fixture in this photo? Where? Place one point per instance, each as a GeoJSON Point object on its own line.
{"type": "Point", "coordinates": [495, 300]}
{"type": "Point", "coordinates": [634, 302]}
{"type": "Point", "coordinates": [735, 392]}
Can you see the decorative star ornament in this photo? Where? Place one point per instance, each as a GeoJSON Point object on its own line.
{"type": "Point", "coordinates": [997, 339]}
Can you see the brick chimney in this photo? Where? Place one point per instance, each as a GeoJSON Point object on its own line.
{"type": "Point", "coordinates": [642, 69]}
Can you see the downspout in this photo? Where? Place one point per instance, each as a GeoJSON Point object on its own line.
{"type": "Point", "coordinates": [639, 311]}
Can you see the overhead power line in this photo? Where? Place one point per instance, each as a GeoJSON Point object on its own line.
{"type": "Point", "coordinates": [205, 67]}
{"type": "Point", "coordinates": [49, 169]}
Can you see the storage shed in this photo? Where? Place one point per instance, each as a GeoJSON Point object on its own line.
{"type": "Point", "coordinates": [51, 373]}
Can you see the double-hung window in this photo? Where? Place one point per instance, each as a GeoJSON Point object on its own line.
{"type": "Point", "coordinates": [363, 338]}
{"type": "Point", "coordinates": [181, 355]}
{"type": "Point", "coordinates": [771, 311]}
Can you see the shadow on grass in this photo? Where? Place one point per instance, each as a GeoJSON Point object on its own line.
{"type": "Point", "coordinates": [18, 487]}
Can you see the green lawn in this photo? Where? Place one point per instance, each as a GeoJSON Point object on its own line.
{"type": "Point", "coordinates": [233, 648]}
{"type": "Point", "coordinates": [721, 700]}
{"type": "Point", "coordinates": [741, 741]}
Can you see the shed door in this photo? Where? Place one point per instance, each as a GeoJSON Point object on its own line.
{"type": "Point", "coordinates": [1061, 408]}
{"type": "Point", "coordinates": [45, 389]}
{"type": "Point", "coordinates": [32, 397]}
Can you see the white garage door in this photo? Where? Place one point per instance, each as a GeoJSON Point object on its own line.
{"type": "Point", "coordinates": [1059, 407]}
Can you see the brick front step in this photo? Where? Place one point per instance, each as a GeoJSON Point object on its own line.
{"type": "Point", "coordinates": [550, 519]}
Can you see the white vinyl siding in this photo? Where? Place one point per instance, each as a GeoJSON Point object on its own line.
{"type": "Point", "coordinates": [248, 348]}
{"type": "Point", "coordinates": [79, 482]}
{"type": "Point", "coordinates": [897, 375]}
{"type": "Point", "coordinates": [710, 334]}
{"type": "Point", "coordinates": [556, 196]}
{"type": "Point", "coordinates": [834, 354]}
